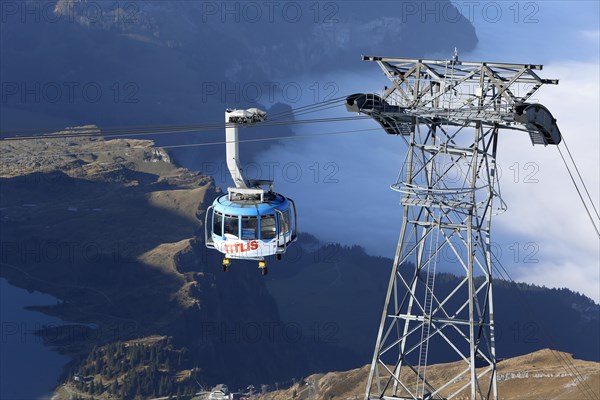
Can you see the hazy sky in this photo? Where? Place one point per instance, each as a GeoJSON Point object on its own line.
{"type": "Point", "coordinates": [545, 237]}
{"type": "Point", "coordinates": [548, 213]}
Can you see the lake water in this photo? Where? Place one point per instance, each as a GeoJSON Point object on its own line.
{"type": "Point", "coordinates": [28, 369]}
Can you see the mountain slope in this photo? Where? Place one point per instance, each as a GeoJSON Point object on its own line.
{"type": "Point", "coordinates": [341, 290]}
{"type": "Point", "coordinates": [539, 375]}
{"type": "Point", "coordinates": [111, 228]}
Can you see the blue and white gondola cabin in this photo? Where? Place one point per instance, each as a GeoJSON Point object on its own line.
{"type": "Point", "coordinates": [249, 222]}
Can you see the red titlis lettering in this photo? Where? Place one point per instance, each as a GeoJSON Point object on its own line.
{"type": "Point", "coordinates": [241, 247]}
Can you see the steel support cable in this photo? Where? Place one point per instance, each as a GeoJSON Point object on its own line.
{"type": "Point", "coordinates": [128, 149]}
{"type": "Point", "coordinates": [319, 110]}
{"type": "Point", "coordinates": [97, 132]}
{"type": "Point", "coordinates": [85, 129]}
{"type": "Point", "coordinates": [587, 210]}
{"type": "Point", "coordinates": [563, 360]}
{"type": "Point", "coordinates": [92, 132]}
{"type": "Point", "coordinates": [597, 233]}
{"type": "Point", "coordinates": [580, 178]}
{"type": "Point", "coordinates": [304, 109]}
{"type": "Point", "coordinates": [315, 106]}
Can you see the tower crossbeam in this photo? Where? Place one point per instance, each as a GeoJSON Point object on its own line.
{"type": "Point", "coordinates": [449, 113]}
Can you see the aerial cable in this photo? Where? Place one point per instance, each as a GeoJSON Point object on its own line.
{"type": "Point", "coordinates": [86, 129]}
{"type": "Point", "coordinates": [307, 106]}
{"type": "Point", "coordinates": [564, 361]}
{"type": "Point", "coordinates": [98, 132]}
{"type": "Point", "coordinates": [158, 129]}
{"type": "Point", "coordinates": [304, 109]}
{"type": "Point", "coordinates": [94, 132]}
{"type": "Point", "coordinates": [274, 138]}
{"type": "Point", "coordinates": [307, 109]}
{"type": "Point", "coordinates": [567, 364]}
{"type": "Point", "coordinates": [52, 153]}
{"type": "Point", "coordinates": [587, 210]}
{"type": "Point", "coordinates": [581, 178]}
{"type": "Point", "coordinates": [315, 106]}
{"type": "Point", "coordinates": [319, 110]}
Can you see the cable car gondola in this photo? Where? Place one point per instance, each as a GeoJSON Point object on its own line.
{"type": "Point", "coordinates": [251, 221]}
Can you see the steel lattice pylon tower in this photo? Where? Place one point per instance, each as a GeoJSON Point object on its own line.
{"type": "Point", "coordinates": [449, 113]}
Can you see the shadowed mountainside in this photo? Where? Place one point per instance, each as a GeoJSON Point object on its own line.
{"type": "Point", "coordinates": [343, 289]}
{"type": "Point", "coordinates": [113, 229]}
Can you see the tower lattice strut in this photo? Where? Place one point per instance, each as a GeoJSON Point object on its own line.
{"type": "Point", "coordinates": [449, 113]}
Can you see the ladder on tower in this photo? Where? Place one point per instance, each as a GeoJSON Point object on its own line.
{"type": "Point", "coordinates": [455, 110]}
{"type": "Point", "coordinates": [426, 327]}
